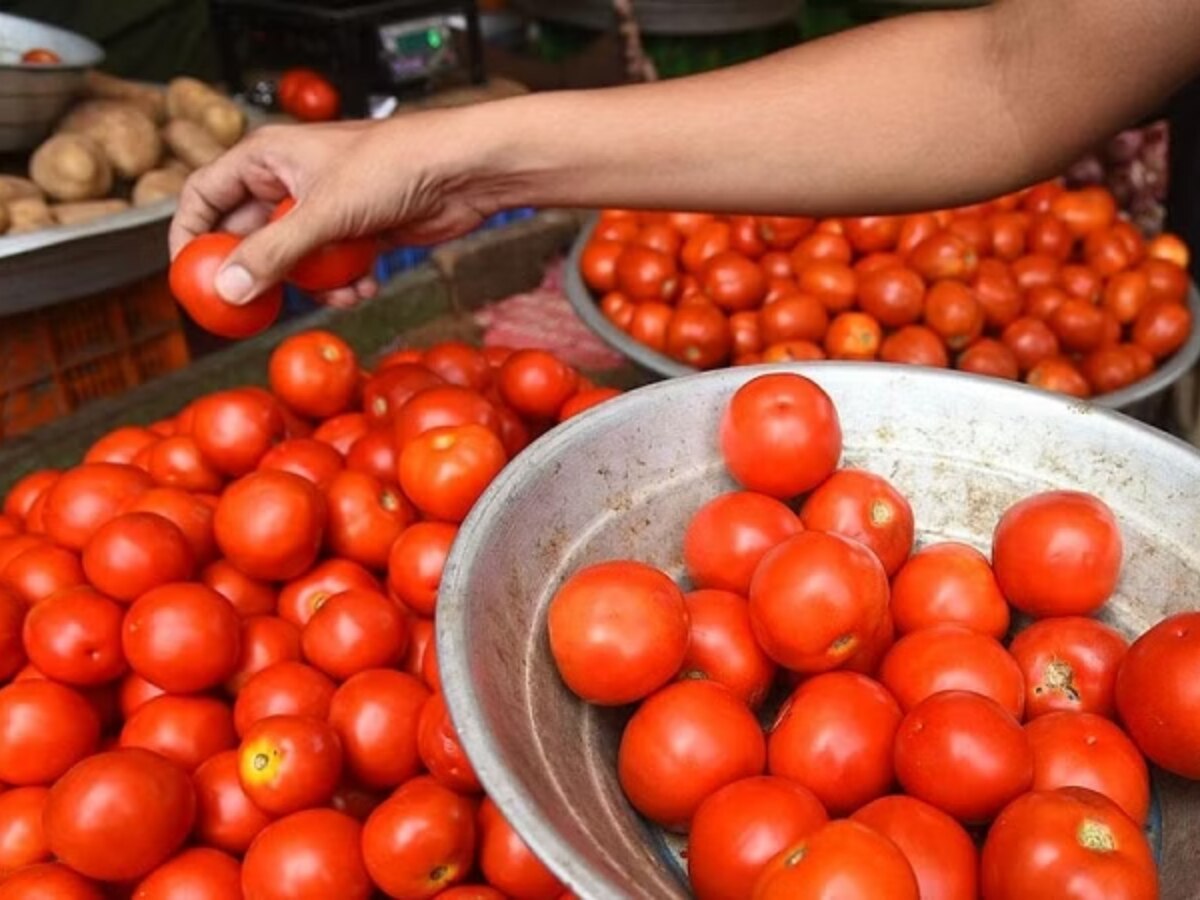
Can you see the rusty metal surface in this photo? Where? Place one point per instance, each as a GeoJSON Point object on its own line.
{"type": "Point", "coordinates": [622, 480]}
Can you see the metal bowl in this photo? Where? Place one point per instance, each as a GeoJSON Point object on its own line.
{"type": "Point", "coordinates": [584, 303]}
{"type": "Point", "coordinates": [621, 482]}
{"type": "Point", "coordinates": [32, 98]}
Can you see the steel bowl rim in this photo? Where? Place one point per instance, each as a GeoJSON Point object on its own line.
{"type": "Point", "coordinates": [464, 704]}
{"type": "Point", "coordinates": [586, 307]}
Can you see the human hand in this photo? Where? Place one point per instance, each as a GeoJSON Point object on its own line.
{"type": "Point", "coordinates": [406, 180]}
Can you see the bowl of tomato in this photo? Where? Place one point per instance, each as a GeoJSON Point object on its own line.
{"type": "Point", "coordinates": [599, 757]}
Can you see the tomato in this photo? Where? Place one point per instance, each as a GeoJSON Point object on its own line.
{"type": "Point", "coordinates": [620, 231]}
{"type": "Point", "coordinates": [289, 763]}
{"type": "Point", "coordinates": [1057, 373]}
{"type": "Point", "coordinates": [376, 714]}
{"type": "Point", "coordinates": [445, 470]}
{"type": "Point", "coordinates": [12, 648]}
{"type": "Point", "coordinates": [1168, 282]}
{"type": "Point", "coordinates": [659, 236]}
{"type": "Point", "coordinates": [683, 743]}
{"type": "Point", "coordinates": [312, 99]}
{"type": "Point", "coordinates": [536, 383]}
{"type": "Point", "coordinates": [299, 599]}
{"type": "Point", "coordinates": [284, 688]}
{"type": "Point", "coordinates": [117, 816]}
{"type": "Point", "coordinates": [1009, 234]}
{"type": "Point", "coordinates": [374, 454]}
{"type": "Point", "coordinates": [136, 552]}
{"type": "Point", "coordinates": [707, 241]}
{"type": "Point", "coordinates": [1162, 328]}
{"type": "Point", "coordinates": [972, 737]}
{"type": "Point", "coordinates": [835, 736]}
{"type": "Point", "coordinates": [183, 637]}
{"type": "Point", "coordinates": [916, 345]}
{"type": "Point", "coordinates": [1031, 341]}
{"type": "Point", "coordinates": [307, 457]}
{"type": "Point", "coordinates": [618, 631]}
{"type": "Point", "coordinates": [829, 863]}
{"type": "Point", "coordinates": [942, 855]}
{"type": "Point", "coordinates": [733, 282]}
{"type": "Point", "coordinates": [722, 647]}
{"type": "Point", "coordinates": [745, 238]}
{"type": "Point", "coordinates": [1043, 300]}
{"type": "Point", "coordinates": [121, 445]}
{"type": "Point", "coordinates": [225, 816]}
{"type": "Point", "coordinates": [782, 232]}
{"type": "Point", "coordinates": [954, 313]}
{"type": "Point", "coordinates": [815, 599]}
{"type": "Point", "coordinates": [893, 296]}
{"type": "Point", "coordinates": [316, 372]}
{"type": "Point", "coordinates": [507, 863]}
{"type": "Point", "coordinates": [514, 433]}
{"type": "Point", "coordinates": [290, 81]}
{"type": "Point", "coordinates": [873, 234]}
{"type": "Point", "coordinates": [1040, 197]}
{"type": "Point", "coordinates": [247, 596]}
{"type": "Point", "coordinates": [199, 873]}
{"type": "Point", "coordinates": [270, 524]}
{"type": "Point", "coordinates": [699, 335]}
{"type": "Point", "coordinates": [729, 535]}
{"type": "Point", "coordinates": [459, 363]}
{"type": "Point", "coordinates": [389, 389]}
{"type": "Point", "coordinates": [914, 229]}
{"type": "Point", "coordinates": [649, 324]}
{"type": "Point", "coordinates": [645, 274]}
{"type": "Point", "coordinates": [738, 829]}
{"type": "Point", "coordinates": [1037, 271]}
{"type": "Point", "coordinates": [1126, 294]}
{"type": "Point", "coordinates": [326, 268]}
{"type": "Point", "coordinates": [176, 462]}
{"type": "Point", "coordinates": [266, 640]}
{"type": "Point", "coordinates": [777, 266]}
{"type": "Point", "coordinates": [22, 837]}
{"type": "Point", "coordinates": [948, 584]}
{"type": "Point", "coordinates": [835, 284]}
{"type": "Point", "coordinates": [310, 855]}
{"type": "Point", "coordinates": [788, 351]}
{"type": "Point", "coordinates": [688, 223]}
{"type": "Point", "coordinates": [953, 658]}
{"type": "Point", "coordinates": [991, 357]}
{"type": "Point", "coordinates": [1085, 211]}
{"type": "Point", "coordinates": [866, 508]}
{"type": "Point", "coordinates": [580, 402]}
{"type": "Point", "coordinates": [25, 492]}
{"type": "Point", "coordinates": [193, 276]}
{"type": "Point", "coordinates": [234, 429]}
{"type": "Point", "coordinates": [41, 571]}
{"type": "Point", "coordinates": [1107, 253]}
{"type": "Point", "coordinates": [365, 518]}
{"type": "Point", "coordinates": [798, 317]}
{"type": "Point", "coordinates": [853, 335]}
{"type": "Point", "coordinates": [420, 840]}
{"type": "Point", "coordinates": [1078, 324]}
{"type": "Point", "coordinates": [438, 407]}
{"type": "Point", "coordinates": [1066, 843]}
{"type": "Point", "coordinates": [188, 513]}
{"type": "Point", "coordinates": [441, 749]}
{"type": "Point", "coordinates": [75, 637]}
{"type": "Point", "coordinates": [1057, 553]}
{"type": "Point", "coordinates": [186, 730]}
{"type": "Point", "coordinates": [84, 498]}
{"type": "Point", "coordinates": [45, 729]}
{"type": "Point", "coordinates": [416, 561]}
{"type": "Point", "coordinates": [50, 881]}
{"type": "Point", "coordinates": [134, 692]}
{"type": "Point", "coordinates": [1171, 248]}
{"type": "Point", "coordinates": [353, 631]}
{"type": "Point", "coordinates": [942, 256]}
{"type": "Point", "coordinates": [1110, 369]}
{"type": "Point", "coordinates": [821, 246]}
{"type": "Point", "coordinates": [1156, 694]}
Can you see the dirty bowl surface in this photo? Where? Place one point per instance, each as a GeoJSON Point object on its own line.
{"type": "Point", "coordinates": [621, 482]}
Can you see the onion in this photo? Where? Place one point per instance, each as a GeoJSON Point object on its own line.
{"type": "Point", "coordinates": [1125, 146]}
{"type": "Point", "coordinates": [1089, 170]}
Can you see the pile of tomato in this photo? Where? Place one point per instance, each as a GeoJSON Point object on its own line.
{"type": "Point", "coordinates": [912, 727]}
{"type": "Point", "coordinates": [1046, 285]}
{"type": "Point", "coordinates": [216, 639]}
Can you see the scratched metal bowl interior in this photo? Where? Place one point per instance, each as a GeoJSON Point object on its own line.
{"type": "Point", "coordinates": [622, 481]}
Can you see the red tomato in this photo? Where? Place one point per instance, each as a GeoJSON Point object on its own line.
{"type": "Point", "coordinates": [41, 571]}
{"type": "Point", "coordinates": [225, 816]}
{"type": "Point", "coordinates": [84, 498]}
{"type": "Point", "coordinates": [1070, 664]}
{"type": "Point", "coordinates": [782, 232]}
{"type": "Point", "coordinates": [420, 840]}
{"type": "Point", "coordinates": [780, 435]}
{"type": "Point", "coordinates": [873, 234]}
{"type": "Point", "coordinates": [40, 56]}
{"type": "Point", "coordinates": [266, 640]}
{"type": "Point", "coordinates": [459, 363]}
{"type": "Point", "coordinates": [729, 535]}
{"type": "Point", "coordinates": [988, 356]}
{"type": "Point", "coordinates": [1031, 342]}
{"type": "Point", "coordinates": [45, 729]}
{"type": "Point", "coordinates": [118, 815]}
{"type": "Point", "coordinates": [354, 631]}
{"type": "Point", "coordinates": [733, 282]}
{"type": "Point", "coordinates": [22, 837]}
{"type": "Point", "coordinates": [894, 295]}
{"type": "Point", "coordinates": [330, 266]}
{"type": "Point", "coordinates": [12, 648]}
{"type": "Point", "coordinates": [478, 892]}
{"type": "Point", "coordinates": [310, 855]}
{"type": "Point", "coordinates": [699, 335]}
{"type": "Point", "coordinates": [189, 514]}
{"type": "Point", "coordinates": [439, 407]}
{"type": "Point", "coordinates": [299, 599]}
{"type": "Point", "coordinates": [247, 596]}
{"type": "Point", "coordinates": [835, 284]}
{"type": "Point", "coordinates": [1126, 295]}
{"type": "Point", "coordinates": [136, 552]}
{"type": "Point", "coordinates": [306, 457]}
{"type": "Point", "coordinates": [942, 855]}
{"type": "Point", "coordinates": [1078, 324]}
{"type": "Point", "coordinates": [1082, 282]}
{"type": "Point", "coordinates": [598, 263]}
{"type": "Point", "coordinates": [289, 763]}
{"type": "Point", "coordinates": [270, 525]}
{"type": "Point", "coordinates": [374, 454]}
{"type": "Point", "coordinates": [649, 324]}
{"type": "Point", "coordinates": [739, 829]}
{"type": "Point", "coordinates": [798, 317]}
{"type": "Point", "coordinates": [75, 637]}
{"type": "Point", "coordinates": [1057, 373]}
{"type": "Point", "coordinates": [186, 730]}
{"type": "Point", "coordinates": [198, 874]}
{"type": "Point", "coordinates": [415, 564]}
{"type": "Point", "coordinates": [316, 372]}
{"type": "Point", "coordinates": [1168, 281]}
{"type": "Point", "coordinates": [507, 863]}
{"type": "Point", "coordinates": [25, 492]}
{"type": "Point", "coordinates": [943, 255]}
{"type": "Point", "coordinates": [579, 403]}
{"type": "Point", "coordinates": [703, 244]}
{"type": "Point", "coordinates": [1156, 694]}
{"type": "Point", "coordinates": [365, 518]}
{"type": "Point", "coordinates": [829, 863]}
{"type": "Point", "coordinates": [376, 714]}
{"type": "Point", "coordinates": [722, 646]}
{"type": "Point", "coordinates": [835, 736]}
{"type": "Point", "coordinates": [618, 631]}
{"type": "Point", "coordinates": [193, 278]}
{"type": "Point", "coordinates": [853, 335]}
{"type": "Point", "coordinates": [290, 81]}
{"type": "Point", "coordinates": [821, 246]}
{"type": "Point", "coordinates": [441, 750]}
{"type": "Point", "coordinates": [1049, 236]}
{"type": "Point", "coordinates": [866, 508]}
{"type": "Point", "coordinates": [645, 274]}
{"type": "Point", "coordinates": [51, 881]}
{"type": "Point", "coordinates": [1085, 211]}
{"type": "Point", "coordinates": [121, 446]}
{"type": "Point", "coordinates": [133, 692]}
{"type": "Point", "coordinates": [954, 312]}
{"type": "Point", "coordinates": [973, 738]}
{"type": "Point", "coordinates": [1057, 554]}
{"type": "Point", "coordinates": [445, 470]}
{"type": "Point", "coordinates": [952, 658]}
{"type": "Point", "coordinates": [312, 99]}
{"type": "Point", "coordinates": [1069, 842]}
{"type": "Point", "coordinates": [284, 689]}
{"type": "Point", "coordinates": [1162, 328]}
{"type": "Point", "coordinates": [872, 651]}
{"type": "Point", "coordinates": [948, 584]}
{"type": "Point", "coordinates": [182, 637]}
{"type": "Point", "coordinates": [389, 389]}
{"type": "Point", "coordinates": [683, 743]}
{"type": "Point", "coordinates": [421, 644]}
{"type": "Point", "coordinates": [916, 345]}
{"type": "Point", "coordinates": [234, 429]}
{"type": "Point", "coordinates": [815, 599]}
{"type": "Point", "coordinates": [745, 238]}
{"type": "Point", "coordinates": [176, 462]}
{"type": "Point", "coordinates": [1009, 234]}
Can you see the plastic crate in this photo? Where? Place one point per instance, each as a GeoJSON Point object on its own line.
{"type": "Point", "coordinates": [52, 361]}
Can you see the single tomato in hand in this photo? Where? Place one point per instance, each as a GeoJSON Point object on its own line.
{"type": "Point", "coordinates": [193, 278]}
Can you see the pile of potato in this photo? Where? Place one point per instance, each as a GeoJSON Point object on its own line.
{"type": "Point", "coordinates": [124, 144]}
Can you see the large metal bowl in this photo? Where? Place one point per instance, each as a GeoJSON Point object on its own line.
{"type": "Point", "coordinates": [622, 480]}
{"type": "Point", "coordinates": [32, 98]}
{"type": "Point", "coordinates": [584, 303]}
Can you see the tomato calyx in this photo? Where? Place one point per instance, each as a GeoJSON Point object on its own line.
{"type": "Point", "coordinates": [843, 645]}
{"type": "Point", "coordinates": [1096, 836]}
{"type": "Point", "coordinates": [260, 763]}
{"type": "Point", "coordinates": [881, 513]}
{"type": "Point", "coordinates": [797, 856]}
{"type": "Point", "coordinates": [1059, 677]}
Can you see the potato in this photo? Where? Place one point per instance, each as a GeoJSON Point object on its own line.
{"type": "Point", "coordinates": [14, 187]}
{"type": "Point", "coordinates": [71, 167]}
{"type": "Point", "coordinates": [175, 164]}
{"type": "Point", "coordinates": [195, 101]}
{"type": "Point", "coordinates": [129, 138]}
{"type": "Point", "coordinates": [156, 185]}
{"type": "Point", "coordinates": [29, 214]}
{"type": "Point", "coordinates": [191, 143]}
{"type": "Point", "coordinates": [152, 101]}
{"type": "Point", "coordinates": [88, 211]}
